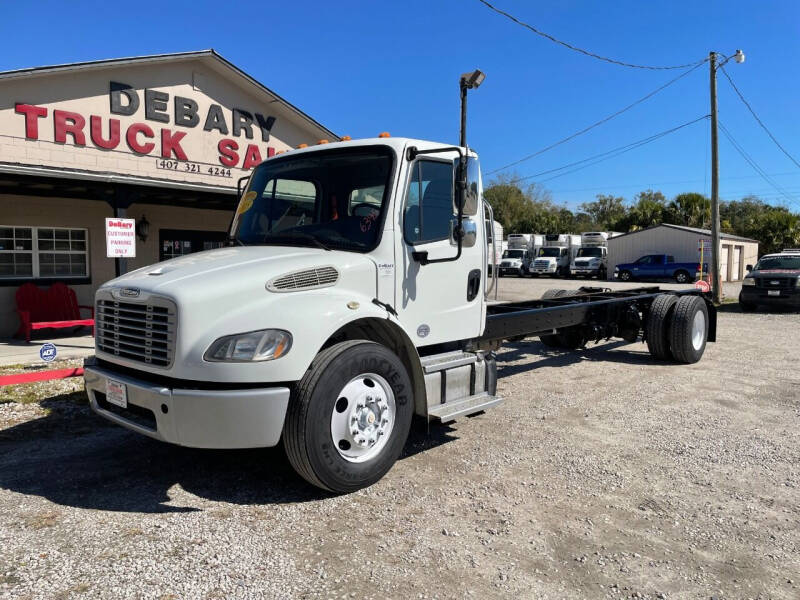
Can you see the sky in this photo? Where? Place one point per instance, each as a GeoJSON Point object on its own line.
{"type": "Point", "coordinates": [363, 67]}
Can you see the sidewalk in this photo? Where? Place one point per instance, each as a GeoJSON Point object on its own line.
{"type": "Point", "coordinates": [20, 352]}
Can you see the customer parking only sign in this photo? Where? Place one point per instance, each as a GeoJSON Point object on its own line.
{"type": "Point", "coordinates": [120, 238]}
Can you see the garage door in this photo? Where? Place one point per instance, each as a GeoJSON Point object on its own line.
{"type": "Point", "coordinates": [723, 262]}
{"type": "Point", "coordinates": [737, 262]}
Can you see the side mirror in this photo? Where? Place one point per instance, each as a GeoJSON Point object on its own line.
{"type": "Point", "coordinates": [749, 268]}
{"type": "Point", "coordinates": [469, 177]}
{"type": "Point", "coordinates": [468, 232]}
{"type": "Point", "coordinates": [460, 197]}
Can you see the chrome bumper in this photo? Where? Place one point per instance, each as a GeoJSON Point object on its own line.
{"type": "Point", "coordinates": [250, 418]}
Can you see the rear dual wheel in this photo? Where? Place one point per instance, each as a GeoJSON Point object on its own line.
{"type": "Point", "coordinates": [349, 416]}
{"type": "Point", "coordinates": [677, 328]}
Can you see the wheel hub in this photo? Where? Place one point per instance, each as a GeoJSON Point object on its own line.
{"type": "Point", "coordinates": [363, 417]}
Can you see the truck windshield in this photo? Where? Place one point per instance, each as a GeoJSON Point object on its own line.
{"type": "Point", "coordinates": [327, 199]}
{"type": "Point", "coordinates": [778, 262]}
{"type": "Point", "coordinates": [514, 254]}
{"type": "Point", "coordinates": [590, 252]}
{"type": "Point", "coordinates": [550, 252]}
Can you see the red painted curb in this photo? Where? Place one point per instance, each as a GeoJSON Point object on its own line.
{"type": "Point", "coordinates": [40, 376]}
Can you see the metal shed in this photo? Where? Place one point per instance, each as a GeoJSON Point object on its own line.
{"type": "Point", "coordinates": [684, 244]}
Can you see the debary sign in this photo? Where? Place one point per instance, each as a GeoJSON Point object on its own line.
{"type": "Point", "coordinates": [181, 114]}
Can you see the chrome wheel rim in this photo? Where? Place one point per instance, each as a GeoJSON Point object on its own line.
{"type": "Point", "coordinates": [363, 417]}
{"type": "Point", "coordinates": [698, 330]}
{"type": "Point", "coordinates": [682, 278]}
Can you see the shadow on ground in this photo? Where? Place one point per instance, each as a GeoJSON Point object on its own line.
{"type": "Point", "coordinates": [72, 457]}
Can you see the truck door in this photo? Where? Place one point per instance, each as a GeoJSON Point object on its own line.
{"type": "Point", "coordinates": [437, 302]}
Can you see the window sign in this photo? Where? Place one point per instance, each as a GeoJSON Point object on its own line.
{"type": "Point", "coordinates": [120, 238]}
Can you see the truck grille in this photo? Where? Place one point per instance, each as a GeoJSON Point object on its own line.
{"type": "Point", "coordinates": [776, 283]}
{"type": "Point", "coordinates": [541, 264]}
{"type": "Point", "coordinates": [140, 332]}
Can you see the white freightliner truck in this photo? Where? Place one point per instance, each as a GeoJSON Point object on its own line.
{"type": "Point", "coordinates": [555, 256]}
{"type": "Point", "coordinates": [591, 260]}
{"type": "Point", "coordinates": [352, 297]}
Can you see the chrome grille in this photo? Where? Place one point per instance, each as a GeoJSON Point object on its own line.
{"type": "Point", "coordinates": [541, 264]}
{"type": "Point", "coordinates": [144, 332]}
{"type": "Point", "coordinates": [305, 279]}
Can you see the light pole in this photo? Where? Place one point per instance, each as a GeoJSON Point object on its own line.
{"type": "Point", "coordinates": [716, 276]}
{"type": "Point", "coordinates": [468, 81]}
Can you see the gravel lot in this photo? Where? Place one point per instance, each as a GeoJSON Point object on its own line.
{"type": "Point", "coordinates": [604, 474]}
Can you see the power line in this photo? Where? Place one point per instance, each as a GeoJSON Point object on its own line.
{"type": "Point", "coordinates": [603, 156]}
{"type": "Point", "coordinates": [581, 50]}
{"type": "Point", "coordinates": [749, 159]}
{"type": "Point", "coordinates": [652, 184]}
{"type": "Point", "coordinates": [600, 122]}
{"type": "Point", "coordinates": [755, 116]}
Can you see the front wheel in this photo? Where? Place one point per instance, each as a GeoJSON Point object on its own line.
{"type": "Point", "coordinates": [625, 276]}
{"type": "Point", "coordinates": [349, 416]}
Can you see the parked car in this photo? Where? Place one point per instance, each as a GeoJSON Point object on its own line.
{"type": "Point", "coordinates": [657, 266]}
{"type": "Point", "coordinates": [773, 281]}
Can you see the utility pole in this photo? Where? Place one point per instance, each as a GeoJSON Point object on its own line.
{"type": "Point", "coordinates": [716, 276]}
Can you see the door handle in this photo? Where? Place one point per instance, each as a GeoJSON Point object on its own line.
{"type": "Point", "coordinates": [473, 284]}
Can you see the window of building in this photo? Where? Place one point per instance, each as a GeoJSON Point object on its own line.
{"type": "Point", "coordinates": [43, 253]}
{"type": "Point", "coordinates": [429, 206]}
{"type": "Point", "coordinates": [177, 242]}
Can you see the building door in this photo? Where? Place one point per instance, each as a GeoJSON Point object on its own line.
{"type": "Point", "coordinates": [737, 263]}
{"type": "Point", "coordinates": [724, 261]}
{"type": "Point", "coordinates": [177, 242]}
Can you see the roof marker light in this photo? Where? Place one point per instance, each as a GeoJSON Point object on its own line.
{"type": "Point", "coordinates": [384, 134]}
{"type": "Point", "coordinates": [322, 142]}
{"type": "Point", "coordinates": [346, 138]}
{"type": "Point", "coordinates": [302, 146]}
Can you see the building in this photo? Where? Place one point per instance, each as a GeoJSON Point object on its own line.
{"type": "Point", "coordinates": [684, 244]}
{"type": "Point", "coordinates": [160, 139]}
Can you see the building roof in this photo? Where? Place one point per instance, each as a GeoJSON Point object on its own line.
{"type": "Point", "coordinates": [696, 230]}
{"type": "Point", "coordinates": [209, 55]}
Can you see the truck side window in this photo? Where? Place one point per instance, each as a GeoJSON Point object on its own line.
{"type": "Point", "coordinates": [670, 259]}
{"type": "Point", "coordinates": [429, 205]}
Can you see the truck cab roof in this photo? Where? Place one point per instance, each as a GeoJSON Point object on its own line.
{"type": "Point", "coordinates": [398, 144]}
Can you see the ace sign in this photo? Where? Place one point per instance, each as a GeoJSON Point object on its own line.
{"type": "Point", "coordinates": [120, 238]}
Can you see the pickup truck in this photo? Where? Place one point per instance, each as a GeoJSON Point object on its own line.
{"type": "Point", "coordinates": [329, 322]}
{"type": "Point", "coordinates": [774, 281]}
{"type": "Point", "coordinates": [657, 266]}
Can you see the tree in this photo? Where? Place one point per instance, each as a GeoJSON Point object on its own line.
{"type": "Point", "coordinates": [690, 209]}
{"type": "Point", "coordinates": [606, 212]}
{"type": "Point", "coordinates": [649, 209]}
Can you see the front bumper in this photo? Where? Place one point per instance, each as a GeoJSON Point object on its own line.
{"type": "Point", "coordinates": [753, 295]}
{"type": "Point", "coordinates": [584, 270]}
{"type": "Point", "coordinates": [249, 418]}
{"type": "Point", "coordinates": [512, 270]}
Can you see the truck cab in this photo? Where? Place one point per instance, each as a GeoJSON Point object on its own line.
{"type": "Point", "coordinates": [353, 295]}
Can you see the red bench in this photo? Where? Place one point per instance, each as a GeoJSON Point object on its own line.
{"type": "Point", "coordinates": [56, 307]}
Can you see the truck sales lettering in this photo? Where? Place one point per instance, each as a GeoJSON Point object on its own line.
{"type": "Point", "coordinates": [142, 139]}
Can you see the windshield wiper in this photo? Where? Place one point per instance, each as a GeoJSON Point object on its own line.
{"type": "Point", "coordinates": [293, 237]}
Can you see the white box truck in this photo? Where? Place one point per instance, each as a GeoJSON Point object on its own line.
{"type": "Point", "coordinates": [554, 257]}
{"type": "Point", "coordinates": [591, 259]}
{"type": "Point", "coordinates": [330, 321]}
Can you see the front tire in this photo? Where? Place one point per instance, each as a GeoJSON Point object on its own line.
{"type": "Point", "coordinates": [625, 276]}
{"type": "Point", "coordinates": [349, 416]}
{"type": "Point", "coordinates": [746, 306]}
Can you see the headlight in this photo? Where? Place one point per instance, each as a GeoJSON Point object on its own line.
{"type": "Point", "coordinates": [616, 269]}
{"type": "Point", "coordinates": [266, 344]}
{"type": "Point", "coordinates": [748, 281]}
{"type": "Point", "coordinates": [797, 282]}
